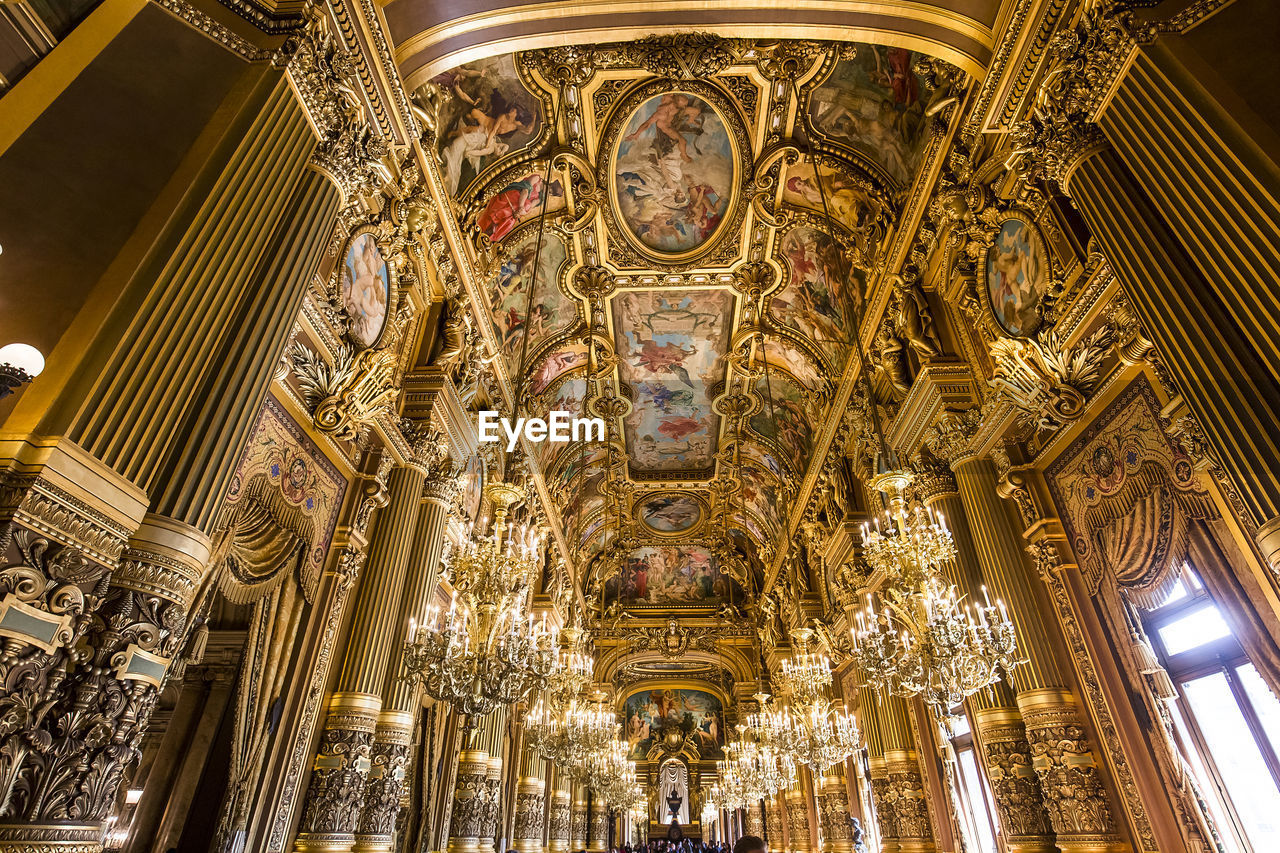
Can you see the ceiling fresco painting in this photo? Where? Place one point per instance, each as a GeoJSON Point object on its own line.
{"type": "Point", "coordinates": [669, 514]}
{"type": "Point", "coordinates": [485, 113]}
{"type": "Point", "coordinates": [694, 713]}
{"type": "Point", "coordinates": [674, 173]}
{"type": "Point", "coordinates": [817, 301]}
{"type": "Point", "coordinates": [671, 345]}
{"type": "Point", "coordinates": [874, 103]}
{"type": "Point", "coordinates": [708, 212]}
{"type": "Point", "coordinates": [532, 262]}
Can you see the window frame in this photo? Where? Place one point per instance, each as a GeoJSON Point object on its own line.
{"type": "Point", "coordinates": [1224, 655]}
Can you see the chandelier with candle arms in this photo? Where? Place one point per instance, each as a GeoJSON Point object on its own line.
{"type": "Point", "coordinates": [923, 640]}
{"type": "Point", "coordinates": [488, 649]}
{"type": "Point", "coordinates": [808, 727]}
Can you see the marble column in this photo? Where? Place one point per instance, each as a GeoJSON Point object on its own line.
{"type": "Point", "coordinates": [999, 731]}
{"type": "Point", "coordinates": [336, 792]}
{"type": "Point", "coordinates": [389, 760]}
{"type": "Point", "coordinates": [1061, 752]}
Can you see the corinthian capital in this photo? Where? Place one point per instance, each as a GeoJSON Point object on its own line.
{"type": "Point", "coordinates": [1084, 64]}
{"type": "Point", "coordinates": [951, 438]}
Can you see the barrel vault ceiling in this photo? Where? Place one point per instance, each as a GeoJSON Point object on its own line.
{"type": "Point", "coordinates": [644, 227]}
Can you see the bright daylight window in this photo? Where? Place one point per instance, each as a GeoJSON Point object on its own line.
{"type": "Point", "coordinates": [1226, 720]}
{"type": "Point", "coordinates": [976, 806]}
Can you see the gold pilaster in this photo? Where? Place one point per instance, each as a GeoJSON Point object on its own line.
{"type": "Point", "coordinates": [833, 811]}
{"type": "Point", "coordinates": [598, 824]}
{"type": "Point", "coordinates": [773, 824]}
{"type": "Point", "coordinates": [1006, 754]}
{"type": "Point", "coordinates": [1014, 783]}
{"type": "Point", "coordinates": [470, 794]}
{"type": "Point", "coordinates": [336, 793]}
{"type": "Point", "coordinates": [798, 819]}
{"type": "Point", "coordinates": [385, 785]}
{"type": "Point", "coordinates": [1063, 758]}
{"type": "Point", "coordinates": [578, 818]}
{"type": "Point", "coordinates": [754, 820]}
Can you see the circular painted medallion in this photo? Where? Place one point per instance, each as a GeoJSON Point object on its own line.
{"type": "Point", "coordinates": [670, 513]}
{"type": "Point", "coordinates": [366, 289]}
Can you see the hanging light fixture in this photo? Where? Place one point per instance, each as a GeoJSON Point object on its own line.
{"type": "Point", "coordinates": [922, 641]}
{"type": "Point", "coordinates": [809, 728]}
{"type": "Point", "coordinates": [487, 650]}
{"type": "Point", "coordinates": [572, 734]}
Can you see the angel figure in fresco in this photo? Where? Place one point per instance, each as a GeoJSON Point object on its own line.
{"type": "Point", "coordinates": [483, 132]}
{"type": "Point", "coordinates": [505, 210]}
{"type": "Point", "coordinates": [667, 358]}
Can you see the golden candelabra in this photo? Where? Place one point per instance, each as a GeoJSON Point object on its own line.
{"type": "Point", "coordinates": [922, 641]}
{"type": "Point", "coordinates": [488, 649]}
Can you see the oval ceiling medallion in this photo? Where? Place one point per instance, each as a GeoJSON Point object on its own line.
{"type": "Point", "coordinates": [675, 169]}
{"type": "Point", "coordinates": [670, 513]}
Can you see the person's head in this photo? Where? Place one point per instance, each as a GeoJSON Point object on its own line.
{"type": "Point", "coordinates": [749, 844]}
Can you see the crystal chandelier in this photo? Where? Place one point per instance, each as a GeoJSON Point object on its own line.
{"type": "Point", "coordinates": [612, 775]}
{"type": "Point", "coordinates": [571, 735]}
{"type": "Point", "coordinates": [808, 728]}
{"type": "Point", "coordinates": [751, 771]}
{"type": "Point", "coordinates": [487, 650]}
{"type": "Point", "coordinates": [921, 641]}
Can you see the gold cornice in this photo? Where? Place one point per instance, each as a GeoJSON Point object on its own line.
{"type": "Point", "coordinates": [908, 11]}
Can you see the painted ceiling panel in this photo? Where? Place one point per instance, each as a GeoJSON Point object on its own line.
{"type": "Point", "coordinates": [672, 237]}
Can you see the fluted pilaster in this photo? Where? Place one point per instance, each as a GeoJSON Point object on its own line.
{"type": "Point", "coordinates": [336, 794]}
{"type": "Point", "coordinates": [385, 784]}
{"type": "Point", "coordinates": [1005, 751]}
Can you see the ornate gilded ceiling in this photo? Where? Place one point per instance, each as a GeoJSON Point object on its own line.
{"type": "Point", "coordinates": [677, 235]}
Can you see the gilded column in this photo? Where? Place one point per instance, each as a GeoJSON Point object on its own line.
{"type": "Point", "coordinates": [903, 784]}
{"type": "Point", "coordinates": [755, 819]}
{"type": "Point", "coordinates": [578, 818]}
{"type": "Point", "coordinates": [492, 729]}
{"type": "Point", "coordinates": [1175, 180]}
{"type": "Point", "coordinates": [833, 809]}
{"type": "Point", "coordinates": [598, 824]}
{"type": "Point", "coordinates": [1000, 733]}
{"type": "Point", "coordinates": [531, 804]}
{"type": "Point", "coordinates": [869, 715]}
{"type": "Point", "coordinates": [336, 792]}
{"type": "Point", "coordinates": [471, 790]}
{"type": "Point", "coordinates": [1079, 812]}
{"type": "Point", "coordinates": [558, 818]}
{"type": "Point", "coordinates": [389, 760]}
{"type": "Point", "coordinates": [797, 819]}
{"type": "Point", "coordinates": [773, 818]}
